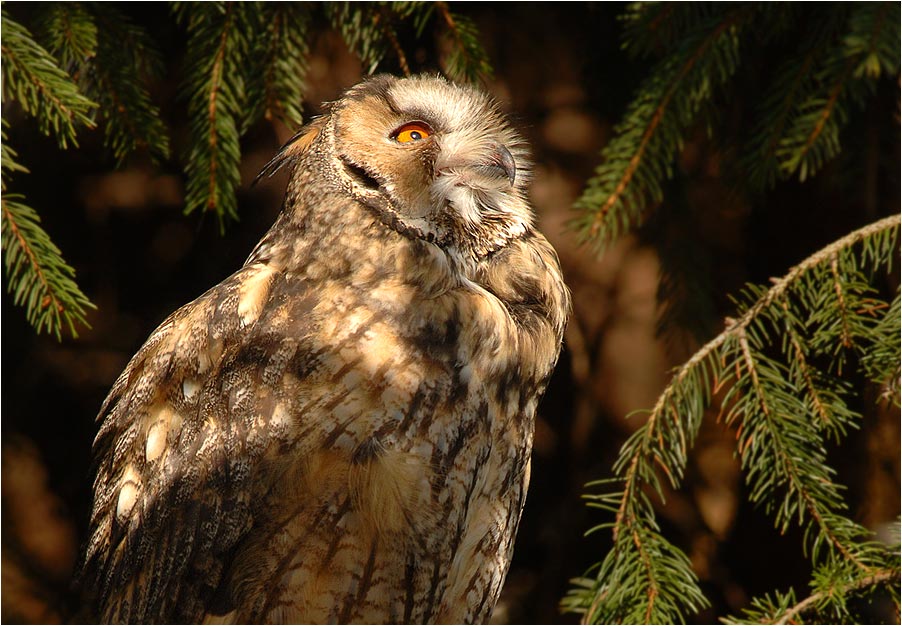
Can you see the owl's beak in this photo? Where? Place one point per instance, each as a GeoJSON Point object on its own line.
{"type": "Point", "coordinates": [499, 164]}
{"type": "Point", "coordinates": [504, 161]}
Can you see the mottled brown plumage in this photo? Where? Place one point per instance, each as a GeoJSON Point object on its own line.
{"type": "Point", "coordinates": [341, 431]}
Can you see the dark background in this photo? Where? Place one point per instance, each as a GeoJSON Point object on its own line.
{"type": "Point", "coordinates": [561, 73]}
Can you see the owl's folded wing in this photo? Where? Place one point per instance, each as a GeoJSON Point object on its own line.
{"type": "Point", "coordinates": [178, 455]}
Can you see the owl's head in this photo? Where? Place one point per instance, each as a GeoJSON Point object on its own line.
{"type": "Point", "coordinates": [435, 160]}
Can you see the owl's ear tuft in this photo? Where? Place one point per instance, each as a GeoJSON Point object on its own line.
{"type": "Point", "coordinates": [293, 148]}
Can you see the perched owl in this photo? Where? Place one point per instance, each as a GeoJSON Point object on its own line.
{"type": "Point", "coordinates": [341, 430]}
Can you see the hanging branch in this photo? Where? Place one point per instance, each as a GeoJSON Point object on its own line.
{"type": "Point", "coordinates": [828, 599]}
{"type": "Point", "coordinates": [44, 283]}
{"type": "Point", "coordinates": [111, 59]}
{"type": "Point", "coordinates": [359, 27]}
{"type": "Point", "coordinates": [126, 62]}
{"type": "Point", "coordinates": [798, 122]}
{"type": "Point", "coordinates": [640, 155]}
{"type": "Point", "coordinates": [467, 60]}
{"type": "Point", "coordinates": [36, 273]}
{"type": "Point", "coordinates": [221, 38]}
{"type": "Point", "coordinates": [70, 34]}
{"type": "Point", "coordinates": [780, 103]}
{"type": "Point", "coordinates": [847, 74]}
{"type": "Point", "coordinates": [780, 434]}
{"type": "Point", "coordinates": [285, 58]}
{"type": "Point", "coordinates": [32, 77]}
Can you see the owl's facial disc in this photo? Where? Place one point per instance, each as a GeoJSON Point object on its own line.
{"type": "Point", "coordinates": [436, 160]}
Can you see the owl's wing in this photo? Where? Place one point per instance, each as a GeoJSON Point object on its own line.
{"type": "Point", "coordinates": [183, 430]}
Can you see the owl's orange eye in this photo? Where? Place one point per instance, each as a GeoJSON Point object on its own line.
{"type": "Point", "coordinates": [412, 131]}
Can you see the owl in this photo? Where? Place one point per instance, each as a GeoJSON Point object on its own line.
{"type": "Point", "coordinates": [341, 430]}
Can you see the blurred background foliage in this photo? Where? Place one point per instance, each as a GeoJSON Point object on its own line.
{"type": "Point", "coordinates": [763, 133]}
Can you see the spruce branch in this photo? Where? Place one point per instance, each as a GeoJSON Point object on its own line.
{"type": "Point", "coordinates": [841, 54]}
{"type": "Point", "coordinates": [781, 450]}
{"type": "Point", "coordinates": [386, 18]}
{"type": "Point", "coordinates": [780, 433]}
{"type": "Point", "coordinates": [886, 226]}
{"type": "Point", "coordinates": [802, 369]}
{"type": "Point", "coordinates": [285, 58]}
{"type": "Point", "coordinates": [369, 29]}
{"type": "Point", "coordinates": [653, 28]}
{"type": "Point", "coordinates": [398, 50]}
{"type": "Point", "coordinates": [827, 601]}
{"type": "Point", "coordinates": [32, 77]}
{"type": "Point", "coordinates": [873, 39]}
{"type": "Point", "coordinates": [421, 13]}
{"type": "Point", "coordinates": [847, 73]}
{"type": "Point", "coordinates": [111, 59]}
{"type": "Point", "coordinates": [814, 136]}
{"type": "Point", "coordinates": [780, 104]}
{"type": "Point", "coordinates": [639, 157]}
{"type": "Point", "coordinates": [881, 576]}
{"type": "Point", "coordinates": [118, 79]}
{"type": "Point", "coordinates": [361, 30]}
{"type": "Point", "coordinates": [467, 61]}
{"type": "Point", "coordinates": [221, 37]}
{"type": "Point", "coordinates": [70, 34]}
{"type": "Point", "coordinates": [881, 362]}
{"type": "Point", "coordinates": [36, 274]}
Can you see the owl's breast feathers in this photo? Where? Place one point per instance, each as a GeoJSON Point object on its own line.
{"type": "Point", "coordinates": [341, 430]}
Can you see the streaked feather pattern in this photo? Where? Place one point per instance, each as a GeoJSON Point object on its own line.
{"type": "Point", "coordinates": [341, 430]}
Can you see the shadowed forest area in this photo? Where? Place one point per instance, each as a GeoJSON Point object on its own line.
{"type": "Point", "coordinates": [561, 72]}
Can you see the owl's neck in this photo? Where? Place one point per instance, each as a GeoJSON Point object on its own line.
{"type": "Point", "coordinates": [326, 235]}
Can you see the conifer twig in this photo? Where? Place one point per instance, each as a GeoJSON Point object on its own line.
{"type": "Point", "coordinates": [653, 124]}
{"type": "Point", "coordinates": [468, 59]}
{"type": "Point", "coordinates": [640, 156]}
{"type": "Point", "coordinates": [880, 576]}
{"type": "Point", "coordinates": [49, 300]}
{"type": "Point", "coordinates": [399, 51]}
{"type": "Point", "coordinates": [791, 470]}
{"type": "Point", "coordinates": [777, 290]}
{"type": "Point", "coordinates": [802, 362]}
{"type": "Point", "coordinates": [212, 111]}
{"type": "Point", "coordinates": [657, 446]}
{"type": "Point", "coordinates": [32, 77]}
{"type": "Point", "coordinates": [41, 280]}
{"type": "Point", "coordinates": [826, 111]}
